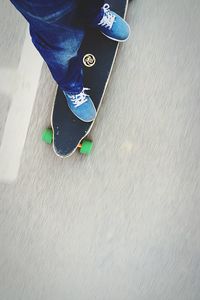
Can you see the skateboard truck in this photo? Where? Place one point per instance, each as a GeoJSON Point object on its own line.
{"type": "Point", "coordinates": [85, 147]}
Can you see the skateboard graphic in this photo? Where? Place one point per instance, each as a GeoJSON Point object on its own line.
{"type": "Point", "coordinates": [67, 132]}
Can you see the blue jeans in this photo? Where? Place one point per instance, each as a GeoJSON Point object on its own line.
{"type": "Point", "coordinates": [57, 28]}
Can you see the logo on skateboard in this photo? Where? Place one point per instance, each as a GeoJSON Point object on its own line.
{"type": "Point", "coordinates": [89, 60]}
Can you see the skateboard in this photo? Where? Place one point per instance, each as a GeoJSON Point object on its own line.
{"type": "Point", "coordinates": [67, 132]}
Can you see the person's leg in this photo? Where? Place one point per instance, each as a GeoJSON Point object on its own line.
{"type": "Point", "coordinates": [56, 35]}
{"type": "Point", "coordinates": [61, 53]}
{"type": "Point", "coordinates": [53, 33]}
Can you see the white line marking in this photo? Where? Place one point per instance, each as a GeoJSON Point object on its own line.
{"type": "Point", "coordinates": [9, 80]}
{"type": "Point", "coordinates": [23, 88]}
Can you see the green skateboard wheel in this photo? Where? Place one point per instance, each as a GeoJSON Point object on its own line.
{"type": "Point", "coordinates": [86, 147]}
{"type": "Point", "coordinates": [47, 136]}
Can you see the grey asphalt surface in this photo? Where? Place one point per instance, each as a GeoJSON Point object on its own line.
{"type": "Point", "coordinates": [123, 223]}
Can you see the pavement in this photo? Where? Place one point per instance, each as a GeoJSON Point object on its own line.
{"type": "Point", "coordinates": [122, 223]}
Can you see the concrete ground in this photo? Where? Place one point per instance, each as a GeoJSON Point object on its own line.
{"type": "Point", "coordinates": [123, 223]}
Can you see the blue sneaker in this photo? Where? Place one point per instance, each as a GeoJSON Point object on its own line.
{"type": "Point", "coordinates": [81, 105]}
{"type": "Point", "coordinates": [112, 25]}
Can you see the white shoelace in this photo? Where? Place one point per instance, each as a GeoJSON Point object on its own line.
{"type": "Point", "coordinates": [79, 99]}
{"type": "Point", "coordinates": [108, 18]}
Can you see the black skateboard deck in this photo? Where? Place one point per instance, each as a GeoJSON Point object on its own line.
{"type": "Point", "coordinates": [69, 131]}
